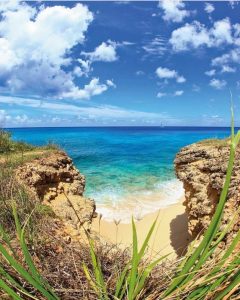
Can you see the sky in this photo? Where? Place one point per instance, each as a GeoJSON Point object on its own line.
{"type": "Point", "coordinates": [122, 63]}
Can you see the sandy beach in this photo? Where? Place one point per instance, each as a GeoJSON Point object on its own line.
{"type": "Point", "coordinates": [170, 234]}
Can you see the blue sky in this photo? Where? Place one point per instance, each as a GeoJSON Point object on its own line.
{"type": "Point", "coordinates": [118, 63]}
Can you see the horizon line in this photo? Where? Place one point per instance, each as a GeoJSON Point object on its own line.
{"type": "Point", "coordinates": [121, 126]}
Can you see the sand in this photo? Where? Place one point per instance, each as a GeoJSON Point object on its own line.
{"type": "Point", "coordinates": [170, 235]}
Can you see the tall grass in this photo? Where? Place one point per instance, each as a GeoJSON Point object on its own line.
{"type": "Point", "coordinates": [203, 273]}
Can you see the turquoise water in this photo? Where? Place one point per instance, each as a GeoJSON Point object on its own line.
{"type": "Point", "coordinates": [127, 168]}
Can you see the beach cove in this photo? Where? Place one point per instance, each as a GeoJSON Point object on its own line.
{"type": "Point", "coordinates": [130, 172]}
{"type": "Point", "coordinates": [170, 235]}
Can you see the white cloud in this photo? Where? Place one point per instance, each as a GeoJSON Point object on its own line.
{"type": "Point", "coordinates": [221, 33]}
{"type": "Point", "coordinates": [94, 88]}
{"type": "Point", "coordinates": [84, 68]}
{"type": "Point", "coordinates": [64, 28]}
{"type": "Point", "coordinates": [21, 119]}
{"type": "Point", "coordinates": [189, 36]}
{"type": "Point", "coordinates": [195, 35]}
{"type": "Point", "coordinates": [231, 57]}
{"type": "Point", "coordinates": [161, 95]}
{"type": "Point", "coordinates": [217, 83]}
{"type": "Point", "coordinates": [227, 69]}
{"type": "Point", "coordinates": [105, 52]}
{"type": "Point", "coordinates": [156, 46]}
{"type": "Point", "coordinates": [173, 10]}
{"type": "Point", "coordinates": [181, 79]}
{"type": "Point", "coordinates": [33, 60]}
{"type": "Point", "coordinates": [210, 72]}
{"type": "Point", "coordinates": [209, 8]}
{"type": "Point", "coordinates": [140, 73]}
{"type": "Point", "coordinates": [178, 93]}
{"type": "Point", "coordinates": [60, 109]}
{"type": "Point", "coordinates": [165, 73]}
{"type": "Point", "coordinates": [111, 83]}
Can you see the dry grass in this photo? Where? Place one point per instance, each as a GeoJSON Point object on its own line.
{"type": "Point", "coordinates": [216, 142]}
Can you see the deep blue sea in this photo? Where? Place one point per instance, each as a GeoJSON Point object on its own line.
{"type": "Point", "coordinates": [129, 170]}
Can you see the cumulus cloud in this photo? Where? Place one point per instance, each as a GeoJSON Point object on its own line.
{"type": "Point", "coordinates": [33, 60]}
{"type": "Point", "coordinates": [209, 8]}
{"type": "Point", "coordinates": [173, 10]}
{"type": "Point", "coordinates": [228, 69]}
{"type": "Point", "coordinates": [194, 35]}
{"type": "Point", "coordinates": [210, 72]}
{"type": "Point", "coordinates": [217, 83]}
{"type": "Point", "coordinates": [232, 56]}
{"type": "Point", "coordinates": [181, 79]}
{"type": "Point", "coordinates": [178, 93]}
{"type": "Point", "coordinates": [105, 52]}
{"type": "Point", "coordinates": [92, 89]}
{"type": "Point", "coordinates": [165, 73]}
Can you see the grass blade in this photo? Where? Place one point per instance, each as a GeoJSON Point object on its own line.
{"type": "Point", "coordinates": [9, 291]}
{"type": "Point", "coordinates": [120, 285]}
{"type": "Point", "coordinates": [135, 261]}
{"type": "Point", "coordinates": [24, 274]}
{"type": "Point", "coordinates": [33, 270]}
{"type": "Point", "coordinates": [147, 270]}
{"type": "Point", "coordinates": [98, 273]}
{"type": "Point", "coordinates": [89, 278]}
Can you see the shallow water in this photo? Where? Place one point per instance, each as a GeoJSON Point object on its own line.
{"type": "Point", "coordinates": [129, 170]}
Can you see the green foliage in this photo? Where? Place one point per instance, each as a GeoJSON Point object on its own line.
{"type": "Point", "coordinates": [32, 275]}
{"type": "Point", "coordinates": [5, 142]}
{"type": "Point", "coordinates": [132, 279]}
{"type": "Point", "coordinates": [7, 145]}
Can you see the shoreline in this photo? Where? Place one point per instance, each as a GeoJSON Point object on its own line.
{"type": "Point", "coordinates": [170, 234]}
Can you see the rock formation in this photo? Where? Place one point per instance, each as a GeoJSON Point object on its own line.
{"type": "Point", "coordinates": [202, 169]}
{"type": "Point", "coordinates": [57, 183]}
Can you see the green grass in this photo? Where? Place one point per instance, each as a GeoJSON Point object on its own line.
{"type": "Point", "coordinates": [203, 273]}
{"type": "Point", "coordinates": [9, 146]}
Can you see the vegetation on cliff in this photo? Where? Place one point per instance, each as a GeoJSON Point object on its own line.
{"type": "Point", "coordinates": [40, 260]}
{"type": "Point", "coordinates": [9, 146]}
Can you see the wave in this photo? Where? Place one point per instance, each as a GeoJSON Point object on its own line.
{"type": "Point", "coordinates": [119, 205]}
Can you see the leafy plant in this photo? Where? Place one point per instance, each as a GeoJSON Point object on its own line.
{"type": "Point", "coordinates": [33, 277]}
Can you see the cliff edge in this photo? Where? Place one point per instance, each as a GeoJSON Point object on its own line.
{"type": "Point", "coordinates": [202, 169]}
{"type": "Point", "coordinates": [57, 183]}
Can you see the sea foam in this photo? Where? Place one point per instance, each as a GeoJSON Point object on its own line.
{"type": "Point", "coordinates": [115, 205]}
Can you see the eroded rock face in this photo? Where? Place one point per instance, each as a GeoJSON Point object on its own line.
{"type": "Point", "coordinates": [57, 183]}
{"type": "Point", "coordinates": [202, 169]}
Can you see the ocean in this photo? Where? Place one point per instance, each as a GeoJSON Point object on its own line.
{"type": "Point", "coordinates": [129, 170]}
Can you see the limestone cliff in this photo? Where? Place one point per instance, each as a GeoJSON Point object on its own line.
{"type": "Point", "coordinates": [202, 169]}
{"type": "Point", "coordinates": [57, 183]}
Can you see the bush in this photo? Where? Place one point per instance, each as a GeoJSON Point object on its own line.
{"type": "Point", "coordinates": [5, 141]}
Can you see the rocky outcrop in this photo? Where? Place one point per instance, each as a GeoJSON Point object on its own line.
{"type": "Point", "coordinates": [202, 169]}
{"type": "Point", "coordinates": [57, 183]}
